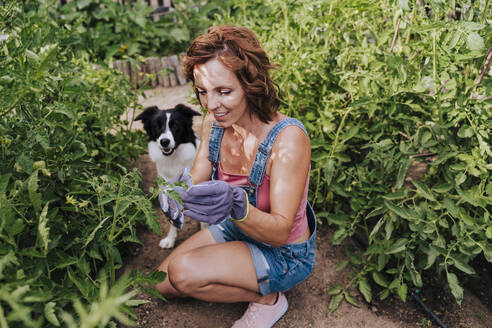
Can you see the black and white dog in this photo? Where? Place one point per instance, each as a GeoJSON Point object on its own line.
{"type": "Point", "coordinates": [172, 146]}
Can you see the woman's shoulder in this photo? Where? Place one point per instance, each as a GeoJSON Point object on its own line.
{"type": "Point", "coordinates": [293, 128]}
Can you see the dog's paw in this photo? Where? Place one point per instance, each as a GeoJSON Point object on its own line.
{"type": "Point", "coordinates": [167, 242]}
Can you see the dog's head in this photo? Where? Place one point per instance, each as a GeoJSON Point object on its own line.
{"type": "Point", "coordinates": [169, 127]}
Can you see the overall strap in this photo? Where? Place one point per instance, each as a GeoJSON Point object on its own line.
{"type": "Point", "coordinates": [216, 134]}
{"type": "Point", "coordinates": [265, 149]}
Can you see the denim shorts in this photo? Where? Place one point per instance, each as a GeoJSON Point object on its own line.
{"type": "Point", "coordinates": [277, 268]}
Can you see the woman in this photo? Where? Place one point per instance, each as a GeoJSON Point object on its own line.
{"type": "Point", "coordinates": [251, 177]}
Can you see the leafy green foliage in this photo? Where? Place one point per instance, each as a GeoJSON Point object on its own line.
{"type": "Point", "coordinates": [67, 201]}
{"type": "Point", "coordinates": [114, 29]}
{"type": "Point", "coordinates": [380, 85]}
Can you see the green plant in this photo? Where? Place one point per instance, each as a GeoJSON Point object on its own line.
{"type": "Point", "coordinates": [110, 30]}
{"type": "Point", "coordinates": [68, 203]}
{"type": "Point", "coordinates": [381, 85]}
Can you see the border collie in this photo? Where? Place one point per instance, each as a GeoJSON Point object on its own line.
{"type": "Point", "coordinates": [172, 146]}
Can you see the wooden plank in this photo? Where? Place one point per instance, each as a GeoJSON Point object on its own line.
{"type": "Point", "coordinates": [132, 74]}
{"type": "Point", "coordinates": [178, 73]}
{"type": "Point", "coordinates": [118, 65]}
{"type": "Point", "coordinates": [153, 67]}
{"type": "Point", "coordinates": [163, 76]}
{"type": "Point", "coordinates": [125, 68]}
{"type": "Point", "coordinates": [140, 74]}
{"type": "Point", "coordinates": [173, 80]}
{"type": "Point", "coordinates": [181, 74]}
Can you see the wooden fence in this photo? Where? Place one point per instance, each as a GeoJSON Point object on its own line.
{"type": "Point", "coordinates": [154, 71]}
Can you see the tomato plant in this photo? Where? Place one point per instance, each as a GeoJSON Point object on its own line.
{"type": "Point", "coordinates": [68, 201]}
{"type": "Point", "coordinates": [382, 86]}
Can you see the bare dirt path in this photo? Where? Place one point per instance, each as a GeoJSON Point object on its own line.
{"type": "Point", "coordinates": [308, 302]}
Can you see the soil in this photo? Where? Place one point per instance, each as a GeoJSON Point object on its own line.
{"type": "Point", "coordinates": [308, 302]}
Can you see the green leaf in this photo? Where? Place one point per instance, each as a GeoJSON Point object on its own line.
{"type": "Point", "coordinates": [329, 170]}
{"type": "Point", "coordinates": [84, 286]}
{"type": "Point", "coordinates": [6, 260]}
{"type": "Point", "coordinates": [339, 235]}
{"type": "Point", "coordinates": [338, 219]}
{"type": "Point", "coordinates": [403, 291]}
{"type": "Point", "coordinates": [424, 190]}
{"type": "Point", "coordinates": [134, 303]}
{"type": "Point", "coordinates": [335, 289]}
{"type": "Point", "coordinates": [488, 232]}
{"type": "Point", "coordinates": [442, 188]}
{"type": "Point", "coordinates": [340, 265]}
{"type": "Point", "coordinates": [334, 303]}
{"type": "Point", "coordinates": [49, 313]}
{"type": "Point", "coordinates": [460, 178]}
{"type": "Point", "coordinates": [32, 56]}
{"type": "Point", "coordinates": [404, 5]}
{"type": "Point", "coordinates": [399, 194]}
{"type": "Point", "coordinates": [25, 163]}
{"type": "Point", "coordinates": [465, 131]}
{"type": "Point", "coordinates": [43, 230]}
{"type": "Point", "coordinates": [432, 254]}
{"type": "Point", "coordinates": [32, 187]}
{"type": "Point", "coordinates": [405, 213]}
{"type": "Point", "coordinates": [388, 229]}
{"type": "Point", "coordinates": [93, 233]}
{"type": "Point", "coordinates": [376, 228]}
{"type": "Point", "coordinates": [4, 181]}
{"type": "Point", "coordinates": [454, 40]}
{"type": "Point", "coordinates": [398, 246]}
{"type": "Point", "coordinates": [463, 266]}
{"type": "Point", "coordinates": [349, 298]}
{"type": "Point", "coordinates": [353, 131]}
{"type": "Point", "coordinates": [474, 41]}
{"type": "Point", "coordinates": [15, 228]}
{"type": "Point", "coordinates": [379, 279]}
{"type": "Point", "coordinates": [121, 207]}
{"type": "Point", "coordinates": [456, 289]}
{"type": "Point", "coordinates": [365, 290]}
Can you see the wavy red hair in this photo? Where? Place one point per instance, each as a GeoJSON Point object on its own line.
{"type": "Point", "coordinates": [238, 49]}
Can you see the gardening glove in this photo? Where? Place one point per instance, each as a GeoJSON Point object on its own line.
{"type": "Point", "coordinates": [171, 207]}
{"type": "Point", "coordinates": [214, 201]}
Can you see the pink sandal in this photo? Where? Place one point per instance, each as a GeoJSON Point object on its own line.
{"type": "Point", "coordinates": [261, 315]}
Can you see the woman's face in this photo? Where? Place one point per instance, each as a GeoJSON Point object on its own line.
{"type": "Point", "coordinates": [221, 93]}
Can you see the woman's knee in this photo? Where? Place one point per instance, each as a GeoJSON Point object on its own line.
{"type": "Point", "coordinates": [182, 274]}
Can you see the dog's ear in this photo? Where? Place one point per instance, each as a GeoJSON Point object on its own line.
{"type": "Point", "coordinates": [147, 114]}
{"type": "Point", "coordinates": [187, 110]}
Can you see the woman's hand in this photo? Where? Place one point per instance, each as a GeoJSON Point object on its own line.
{"type": "Point", "coordinates": [171, 207]}
{"type": "Point", "coordinates": [214, 201]}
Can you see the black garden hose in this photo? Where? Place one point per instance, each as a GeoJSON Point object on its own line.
{"type": "Point", "coordinates": [422, 304]}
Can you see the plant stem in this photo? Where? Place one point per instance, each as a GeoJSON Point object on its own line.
{"type": "Point", "coordinates": [332, 151]}
{"type": "Point", "coordinates": [434, 57]}
{"type": "Point", "coordinates": [485, 67]}
{"type": "Point", "coordinates": [395, 35]}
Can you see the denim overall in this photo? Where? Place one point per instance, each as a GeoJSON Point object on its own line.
{"type": "Point", "coordinates": [277, 268]}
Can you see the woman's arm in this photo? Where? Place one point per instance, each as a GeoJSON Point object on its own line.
{"type": "Point", "coordinates": [290, 163]}
{"type": "Point", "coordinates": [202, 168]}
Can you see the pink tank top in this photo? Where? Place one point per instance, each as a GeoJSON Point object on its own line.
{"type": "Point", "coordinates": [263, 199]}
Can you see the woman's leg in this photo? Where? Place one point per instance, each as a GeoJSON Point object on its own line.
{"type": "Point", "coordinates": [217, 272]}
{"type": "Point", "coordinates": [199, 239]}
